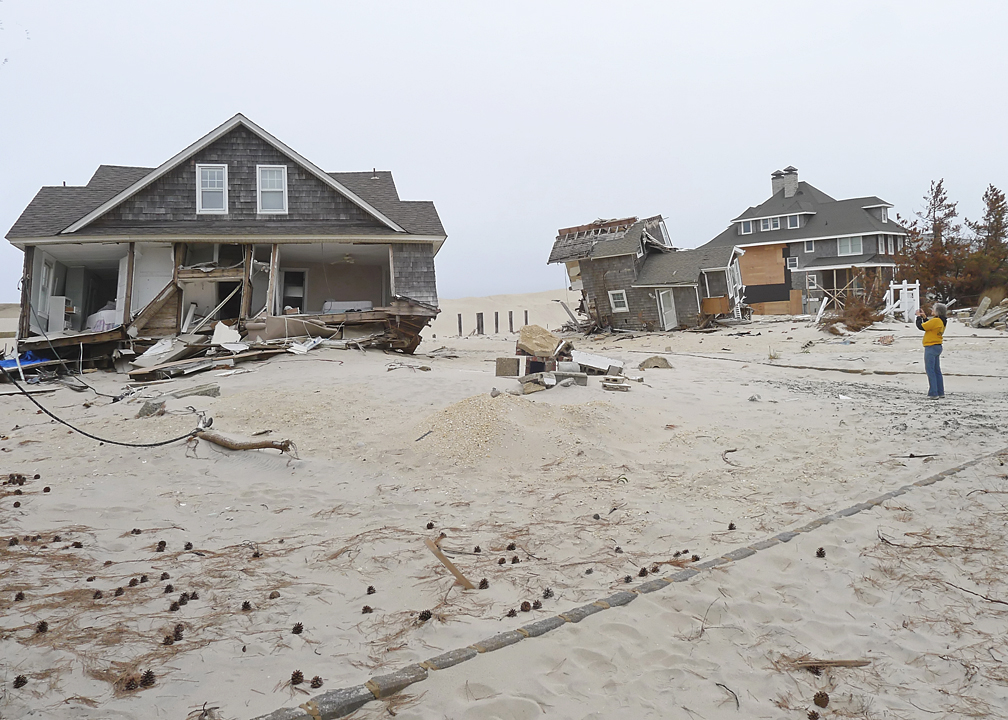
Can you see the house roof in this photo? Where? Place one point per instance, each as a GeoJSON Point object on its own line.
{"type": "Point", "coordinates": [682, 267]}
{"type": "Point", "coordinates": [847, 261]}
{"type": "Point", "coordinates": [831, 218]}
{"type": "Point", "coordinates": [576, 243]}
{"type": "Point", "coordinates": [56, 210]}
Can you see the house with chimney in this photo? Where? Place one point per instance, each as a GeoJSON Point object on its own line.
{"type": "Point", "coordinates": [801, 247]}
{"type": "Point", "coordinates": [631, 277]}
{"type": "Point", "coordinates": [237, 228]}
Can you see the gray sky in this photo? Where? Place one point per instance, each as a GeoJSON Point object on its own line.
{"type": "Point", "coordinates": [518, 118]}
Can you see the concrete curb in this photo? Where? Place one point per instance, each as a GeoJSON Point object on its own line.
{"type": "Point", "coordinates": [343, 701]}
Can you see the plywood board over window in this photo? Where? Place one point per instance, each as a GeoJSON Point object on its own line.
{"type": "Point", "coordinates": [763, 265]}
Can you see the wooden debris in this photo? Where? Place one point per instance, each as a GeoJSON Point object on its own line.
{"type": "Point", "coordinates": [462, 579]}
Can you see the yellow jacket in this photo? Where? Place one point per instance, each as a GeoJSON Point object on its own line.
{"type": "Point", "coordinates": [934, 329]}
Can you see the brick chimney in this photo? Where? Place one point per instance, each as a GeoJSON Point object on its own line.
{"type": "Point", "coordinates": [790, 181]}
{"type": "Point", "coordinates": [776, 181]}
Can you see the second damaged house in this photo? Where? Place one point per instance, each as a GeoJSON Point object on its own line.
{"type": "Point", "coordinates": [632, 278]}
{"type": "Point", "coordinates": [237, 228]}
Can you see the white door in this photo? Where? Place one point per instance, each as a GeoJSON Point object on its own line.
{"type": "Point", "coordinates": [666, 306]}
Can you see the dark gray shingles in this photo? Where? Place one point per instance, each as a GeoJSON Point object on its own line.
{"type": "Point", "coordinates": [55, 208]}
{"type": "Point", "coordinates": [116, 178]}
{"type": "Point", "coordinates": [681, 267]}
{"type": "Point", "coordinates": [849, 260]}
{"type": "Point", "coordinates": [378, 189]}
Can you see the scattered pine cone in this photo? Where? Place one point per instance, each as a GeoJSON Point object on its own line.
{"type": "Point", "coordinates": [98, 595]}
{"type": "Point", "coordinates": [820, 553]}
{"type": "Point", "coordinates": [547, 593]}
{"type": "Point", "coordinates": [257, 554]}
{"type": "Point", "coordinates": [165, 576]}
{"type": "Point", "coordinates": [628, 579]}
{"type": "Point", "coordinates": [695, 558]}
{"type": "Point", "coordinates": [297, 677]}
{"type": "Point", "coordinates": [246, 606]}
{"type": "Point", "coordinates": [183, 599]}
{"type": "Point", "coordinates": [618, 550]}
{"type": "Point", "coordinates": [177, 634]}
{"type": "Point", "coordinates": [46, 489]}
{"type": "Point", "coordinates": [131, 684]}
{"type": "Point", "coordinates": [119, 592]}
{"type": "Point", "coordinates": [526, 606]}
{"type": "Point", "coordinates": [143, 578]}
{"type": "Point", "coordinates": [42, 627]}
{"type": "Point", "coordinates": [813, 715]}
{"type": "Point", "coordinates": [515, 560]}
{"type": "Point", "coordinates": [511, 546]}
{"type": "Point", "coordinates": [91, 578]}
{"type": "Point", "coordinates": [20, 681]}
{"type": "Point", "coordinates": [135, 531]}
{"type": "Point", "coordinates": [161, 546]}
{"type": "Point", "coordinates": [12, 542]}
{"type": "Point", "coordinates": [274, 595]}
{"type": "Point", "coordinates": [537, 605]}
{"type": "Point", "coordinates": [685, 552]}
{"type": "Point", "coordinates": [426, 615]}
{"type": "Point", "coordinates": [501, 561]}
{"type": "Point", "coordinates": [367, 609]}
{"type": "Point", "coordinates": [642, 572]}
{"type": "Point", "coordinates": [147, 679]}
{"type": "Point", "coordinates": [17, 503]}
{"type": "Point", "coordinates": [655, 568]}
{"type": "Point", "coordinates": [731, 526]}
{"type": "Point", "coordinates": [676, 554]}
{"type": "Point", "coordinates": [316, 682]}
{"type": "Point", "coordinates": [477, 549]}
{"type": "Point", "coordinates": [106, 563]}
{"type": "Point", "coordinates": [589, 571]}
{"type": "Point", "coordinates": [19, 596]}
{"type": "Point", "coordinates": [168, 640]}
{"type": "Point", "coordinates": [821, 699]}
{"type": "Point", "coordinates": [430, 525]}
{"type": "Point", "coordinates": [57, 538]}
{"type": "Point", "coordinates": [169, 588]}
{"type": "Point", "coordinates": [484, 584]}
{"type": "Point", "coordinates": [371, 590]}
{"type": "Point", "coordinates": [512, 613]}
{"type": "Point", "coordinates": [815, 670]}
{"type": "Point", "coordinates": [133, 582]}
{"type": "Point", "coordinates": [297, 629]}
{"type": "Point", "coordinates": [174, 606]}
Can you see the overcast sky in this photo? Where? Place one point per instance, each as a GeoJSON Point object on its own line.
{"type": "Point", "coordinates": [519, 118]}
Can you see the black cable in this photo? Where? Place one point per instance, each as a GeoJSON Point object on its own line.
{"type": "Point", "coordinates": [62, 361]}
{"type": "Point", "coordinates": [87, 434]}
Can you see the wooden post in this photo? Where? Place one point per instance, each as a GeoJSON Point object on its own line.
{"type": "Point", "coordinates": [460, 324]}
{"type": "Point", "coordinates": [510, 321]}
{"type": "Point", "coordinates": [496, 324]}
{"type": "Point", "coordinates": [128, 302]}
{"type": "Point", "coordinates": [526, 317]}
{"type": "Point", "coordinates": [479, 323]}
{"type": "Point", "coordinates": [178, 259]}
{"type": "Point", "coordinates": [246, 301]}
{"type": "Point", "coordinates": [24, 321]}
{"type": "Point", "coordinates": [271, 289]}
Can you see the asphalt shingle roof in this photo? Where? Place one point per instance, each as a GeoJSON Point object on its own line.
{"type": "Point", "coordinates": [681, 267]}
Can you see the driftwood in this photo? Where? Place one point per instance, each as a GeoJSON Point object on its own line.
{"type": "Point", "coordinates": [284, 446]}
{"type": "Point", "coordinates": [462, 580]}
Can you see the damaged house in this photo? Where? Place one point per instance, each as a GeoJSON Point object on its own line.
{"type": "Point", "coordinates": [803, 247]}
{"type": "Point", "coordinates": [631, 277]}
{"type": "Point", "coordinates": [237, 228]}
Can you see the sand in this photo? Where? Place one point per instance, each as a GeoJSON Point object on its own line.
{"type": "Point", "coordinates": [384, 448]}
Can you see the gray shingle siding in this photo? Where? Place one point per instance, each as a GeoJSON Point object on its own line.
{"type": "Point", "coordinates": [601, 275]}
{"type": "Point", "coordinates": [173, 197]}
{"type": "Point", "coordinates": [413, 272]}
{"type": "Point", "coordinates": [686, 306]}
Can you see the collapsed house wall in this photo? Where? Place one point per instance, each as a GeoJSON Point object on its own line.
{"type": "Point", "coordinates": [413, 272]}
{"type": "Point", "coordinates": [602, 275]}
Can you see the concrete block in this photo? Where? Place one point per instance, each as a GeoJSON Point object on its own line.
{"type": "Point", "coordinates": [682, 575]}
{"type": "Point", "coordinates": [498, 641]}
{"type": "Point", "coordinates": [707, 565]}
{"type": "Point", "coordinates": [739, 553]}
{"type": "Point", "coordinates": [622, 597]}
{"type": "Point", "coordinates": [508, 366]}
{"type": "Point", "coordinates": [764, 544]}
{"type": "Point", "coordinates": [786, 536]}
{"type": "Point", "coordinates": [450, 658]}
{"type": "Point", "coordinates": [541, 627]}
{"type": "Point", "coordinates": [385, 685]}
{"type": "Point", "coordinates": [579, 378]}
{"type": "Point", "coordinates": [330, 704]}
{"type": "Point", "coordinates": [578, 614]}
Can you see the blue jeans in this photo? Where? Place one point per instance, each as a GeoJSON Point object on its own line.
{"type": "Point", "coordinates": [932, 366]}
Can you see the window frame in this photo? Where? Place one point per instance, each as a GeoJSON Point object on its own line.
{"type": "Point", "coordinates": [259, 190]}
{"type": "Point", "coordinates": [200, 210]}
{"type": "Point", "coordinates": [775, 223]}
{"type": "Point", "coordinates": [811, 282]}
{"type": "Point", "coordinates": [764, 224]}
{"type": "Point", "coordinates": [797, 222]}
{"type": "Point", "coordinates": [742, 227]}
{"type": "Point", "coordinates": [885, 214]}
{"type": "Point", "coordinates": [850, 245]}
{"type": "Point", "coordinates": [891, 243]}
{"type": "Point", "coordinates": [612, 303]}
{"type": "Point", "coordinates": [788, 264]}
{"type": "Point", "coordinates": [809, 246]}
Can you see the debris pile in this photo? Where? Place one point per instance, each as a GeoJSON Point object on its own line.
{"type": "Point", "coordinates": [987, 316]}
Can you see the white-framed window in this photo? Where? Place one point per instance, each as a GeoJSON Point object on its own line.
{"type": "Point", "coordinates": [792, 263]}
{"type": "Point", "coordinates": [44, 287]}
{"type": "Point", "coordinates": [745, 227]}
{"type": "Point", "coordinates": [885, 215]}
{"type": "Point", "coordinates": [775, 223]}
{"type": "Point", "coordinates": [810, 246]}
{"type": "Point", "coordinates": [849, 245]}
{"type": "Point", "coordinates": [899, 243]}
{"type": "Point", "coordinates": [211, 189]}
{"type": "Point", "coordinates": [271, 189]}
{"type": "Point", "coordinates": [764, 224]}
{"type": "Point", "coordinates": [793, 222]}
{"type": "Point", "coordinates": [618, 301]}
{"type": "Point", "coordinates": [892, 244]}
{"type": "Point", "coordinates": [811, 281]}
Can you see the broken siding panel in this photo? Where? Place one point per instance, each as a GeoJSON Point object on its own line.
{"type": "Point", "coordinates": [686, 306]}
{"type": "Point", "coordinates": [173, 197]}
{"type": "Point", "coordinates": [601, 275]}
{"type": "Point", "coordinates": [413, 272]}
{"type": "Point", "coordinates": [716, 282]}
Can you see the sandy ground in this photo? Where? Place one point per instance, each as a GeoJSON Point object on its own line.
{"type": "Point", "coordinates": [726, 436]}
{"type": "Point", "coordinates": [8, 326]}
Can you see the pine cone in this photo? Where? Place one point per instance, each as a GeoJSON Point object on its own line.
{"type": "Point", "coordinates": [501, 561]}
{"type": "Point", "coordinates": [821, 699]}
{"type": "Point", "coordinates": [147, 679]}
{"type": "Point", "coordinates": [642, 572]}
{"type": "Point", "coordinates": [98, 595]}
{"type": "Point", "coordinates": [174, 606]}
{"type": "Point", "coordinates": [169, 588]}
{"type": "Point", "coordinates": [183, 599]}
{"type": "Point", "coordinates": [119, 592]}
{"type": "Point", "coordinates": [316, 682]}
{"type": "Point", "coordinates": [19, 596]}
{"type": "Point", "coordinates": [731, 526]}
{"type": "Point", "coordinates": [297, 629]}
{"type": "Point", "coordinates": [515, 560]}
{"type": "Point", "coordinates": [526, 606]}
{"type": "Point", "coordinates": [274, 595]}
{"type": "Point", "coordinates": [131, 684]}
{"type": "Point", "coordinates": [246, 606]}
{"type": "Point", "coordinates": [628, 579]}
{"type": "Point", "coordinates": [813, 715]}
{"type": "Point", "coordinates": [42, 627]}
{"type": "Point", "coordinates": [512, 613]}
{"type": "Point", "coordinates": [367, 609]}
{"type": "Point", "coordinates": [297, 677]}
{"type": "Point", "coordinates": [511, 546]}
{"type": "Point", "coordinates": [547, 593]}
{"type": "Point", "coordinates": [161, 546]}
{"type": "Point", "coordinates": [371, 590]}
{"type": "Point", "coordinates": [20, 681]}
{"type": "Point", "coordinates": [168, 640]}
{"type": "Point", "coordinates": [430, 525]}
{"type": "Point", "coordinates": [477, 549]}
{"type": "Point", "coordinates": [133, 582]}
{"type": "Point", "coordinates": [484, 584]}
{"type": "Point", "coordinates": [188, 546]}
{"type": "Point", "coordinates": [426, 615]}
{"type": "Point", "coordinates": [537, 605]}
{"type": "Point", "coordinates": [165, 576]}
{"type": "Point", "coordinates": [179, 629]}
{"type": "Point", "coordinates": [820, 553]}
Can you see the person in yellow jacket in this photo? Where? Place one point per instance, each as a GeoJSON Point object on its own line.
{"type": "Point", "coordinates": [934, 330]}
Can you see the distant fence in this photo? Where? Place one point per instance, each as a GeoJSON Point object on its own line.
{"type": "Point", "coordinates": [480, 329]}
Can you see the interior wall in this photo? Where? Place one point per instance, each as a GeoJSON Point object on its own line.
{"type": "Point", "coordinates": [153, 268]}
{"type": "Point", "coordinates": [337, 281]}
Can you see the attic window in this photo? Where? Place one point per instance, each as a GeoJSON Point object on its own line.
{"type": "Point", "coordinates": [272, 190]}
{"type": "Point", "coordinates": [775, 223]}
{"type": "Point", "coordinates": [211, 189]}
{"type": "Point", "coordinates": [792, 262]}
{"type": "Point", "coordinates": [745, 227]}
{"type": "Point", "coordinates": [618, 301]}
{"type": "Point", "coordinates": [792, 222]}
{"type": "Point", "coordinates": [764, 224]}
{"type": "Point", "coordinates": [885, 215]}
